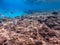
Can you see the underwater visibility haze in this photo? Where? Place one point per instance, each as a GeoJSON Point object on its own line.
{"type": "Point", "coordinates": [13, 8]}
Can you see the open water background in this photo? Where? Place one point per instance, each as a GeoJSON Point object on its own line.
{"type": "Point", "coordinates": [13, 8]}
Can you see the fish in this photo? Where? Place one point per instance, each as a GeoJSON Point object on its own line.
{"type": "Point", "coordinates": [12, 12]}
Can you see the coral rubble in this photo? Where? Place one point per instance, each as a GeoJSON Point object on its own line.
{"type": "Point", "coordinates": [32, 30]}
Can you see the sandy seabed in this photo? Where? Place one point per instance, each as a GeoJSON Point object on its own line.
{"type": "Point", "coordinates": [30, 30]}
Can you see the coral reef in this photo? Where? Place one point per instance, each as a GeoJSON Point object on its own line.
{"type": "Point", "coordinates": [30, 30]}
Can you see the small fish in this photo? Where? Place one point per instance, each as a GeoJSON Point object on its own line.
{"type": "Point", "coordinates": [12, 12]}
{"type": "Point", "coordinates": [0, 14]}
{"type": "Point", "coordinates": [5, 11]}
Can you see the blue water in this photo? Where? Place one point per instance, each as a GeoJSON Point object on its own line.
{"type": "Point", "coordinates": [13, 8]}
